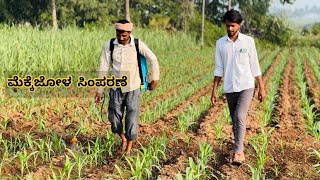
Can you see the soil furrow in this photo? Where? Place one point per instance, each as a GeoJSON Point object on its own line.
{"type": "Point", "coordinates": [290, 142]}
{"type": "Point", "coordinates": [314, 86]}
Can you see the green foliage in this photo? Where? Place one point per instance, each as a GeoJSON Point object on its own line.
{"type": "Point", "coordinates": [316, 29]}
{"type": "Point", "coordinates": [4, 14]}
{"type": "Point", "coordinates": [159, 21]}
{"type": "Point", "coordinates": [263, 43]}
{"type": "Point", "coordinates": [82, 12]}
{"type": "Point", "coordinates": [277, 31]}
{"type": "Point", "coordinates": [287, 1]}
{"type": "Point", "coordinates": [316, 154]}
{"type": "Point", "coordinates": [215, 10]}
{"type": "Point", "coordinates": [198, 168]}
{"type": "Point", "coordinates": [212, 32]}
{"type": "Point", "coordinates": [157, 14]}
{"type": "Point", "coordinates": [21, 11]}
{"type": "Point", "coordinates": [254, 12]}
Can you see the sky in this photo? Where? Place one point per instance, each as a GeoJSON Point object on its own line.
{"type": "Point", "coordinates": [291, 11]}
{"type": "Point", "coordinates": [297, 3]}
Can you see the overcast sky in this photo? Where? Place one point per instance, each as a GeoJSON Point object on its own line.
{"type": "Point", "coordinates": [294, 14]}
{"type": "Point", "coordinates": [296, 4]}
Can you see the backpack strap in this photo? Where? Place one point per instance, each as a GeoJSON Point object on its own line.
{"type": "Point", "coordinates": [111, 48]}
{"type": "Point", "coordinates": [136, 43]}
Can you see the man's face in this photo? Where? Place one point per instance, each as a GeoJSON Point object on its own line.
{"type": "Point", "coordinates": [232, 28]}
{"type": "Point", "coordinates": [123, 36]}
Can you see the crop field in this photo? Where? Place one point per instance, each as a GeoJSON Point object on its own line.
{"type": "Point", "coordinates": [181, 135]}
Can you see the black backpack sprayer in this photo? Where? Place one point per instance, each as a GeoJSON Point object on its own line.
{"type": "Point", "coordinates": [144, 86]}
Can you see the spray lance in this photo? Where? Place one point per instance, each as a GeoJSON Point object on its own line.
{"type": "Point", "coordinates": [74, 140]}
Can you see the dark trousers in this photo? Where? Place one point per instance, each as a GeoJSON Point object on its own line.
{"type": "Point", "coordinates": [120, 102]}
{"type": "Point", "coordinates": [239, 103]}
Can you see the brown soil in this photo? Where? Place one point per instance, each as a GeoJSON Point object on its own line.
{"type": "Point", "coordinates": [289, 142]}
{"type": "Point", "coordinates": [253, 116]}
{"type": "Point", "coordinates": [314, 86]}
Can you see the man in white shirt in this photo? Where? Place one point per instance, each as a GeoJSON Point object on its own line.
{"type": "Point", "coordinates": [237, 62]}
{"type": "Point", "coordinates": [124, 62]}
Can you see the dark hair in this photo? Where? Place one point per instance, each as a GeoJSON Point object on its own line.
{"type": "Point", "coordinates": [232, 16]}
{"type": "Point", "coordinates": [123, 21]}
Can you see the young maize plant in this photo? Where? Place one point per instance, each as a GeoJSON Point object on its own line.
{"type": "Point", "coordinates": [59, 145]}
{"type": "Point", "coordinates": [98, 150]}
{"type": "Point", "coordinates": [269, 103]}
{"type": "Point", "coordinates": [198, 71]}
{"type": "Point", "coordinates": [263, 53]}
{"type": "Point", "coordinates": [153, 113]}
{"type": "Point", "coordinates": [146, 161]}
{"type": "Point", "coordinates": [226, 115]}
{"type": "Point", "coordinates": [218, 127]}
{"type": "Point", "coordinates": [23, 156]}
{"type": "Point", "coordinates": [269, 60]}
{"type": "Point", "coordinates": [6, 154]}
{"type": "Point", "coordinates": [308, 109]}
{"type": "Point", "coordinates": [65, 173]}
{"type": "Point", "coordinates": [188, 118]}
{"type": "Point", "coordinates": [223, 120]}
{"type": "Point", "coordinates": [316, 154]}
{"type": "Point", "coordinates": [45, 150]}
{"type": "Point", "coordinates": [80, 162]}
{"type": "Point", "coordinates": [259, 143]}
{"type": "Point", "coordinates": [314, 65]}
{"type": "Point", "coordinates": [199, 169]}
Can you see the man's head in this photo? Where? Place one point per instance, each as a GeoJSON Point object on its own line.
{"type": "Point", "coordinates": [123, 28]}
{"type": "Point", "coordinates": [232, 19]}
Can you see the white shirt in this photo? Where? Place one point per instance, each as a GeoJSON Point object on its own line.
{"type": "Point", "coordinates": [125, 63]}
{"type": "Point", "coordinates": [237, 62]}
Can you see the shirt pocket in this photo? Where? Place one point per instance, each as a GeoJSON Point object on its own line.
{"type": "Point", "coordinates": [243, 56]}
{"type": "Point", "coordinates": [116, 58]}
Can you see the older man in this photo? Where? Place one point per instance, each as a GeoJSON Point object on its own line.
{"type": "Point", "coordinates": [123, 60]}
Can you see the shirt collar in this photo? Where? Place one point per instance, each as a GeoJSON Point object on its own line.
{"type": "Point", "coordinates": [240, 37]}
{"type": "Point", "coordinates": [131, 43]}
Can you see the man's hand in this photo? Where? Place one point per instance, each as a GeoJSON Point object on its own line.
{"type": "Point", "coordinates": [216, 82]}
{"type": "Point", "coordinates": [214, 98]}
{"type": "Point", "coordinates": [98, 98]}
{"type": "Point", "coordinates": [152, 85]}
{"type": "Point", "coordinates": [261, 95]}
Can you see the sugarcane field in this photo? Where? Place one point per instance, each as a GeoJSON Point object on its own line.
{"type": "Point", "coordinates": [139, 89]}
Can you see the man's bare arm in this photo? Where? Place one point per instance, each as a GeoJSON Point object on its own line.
{"type": "Point", "coordinates": [216, 82]}
{"type": "Point", "coordinates": [262, 93]}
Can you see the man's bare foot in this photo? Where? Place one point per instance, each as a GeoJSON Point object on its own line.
{"type": "Point", "coordinates": [123, 144]}
{"type": "Point", "coordinates": [128, 153]}
{"type": "Point", "coordinates": [129, 147]}
{"type": "Point", "coordinates": [238, 158]}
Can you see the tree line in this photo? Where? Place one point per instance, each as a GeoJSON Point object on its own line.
{"type": "Point", "coordinates": [184, 15]}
